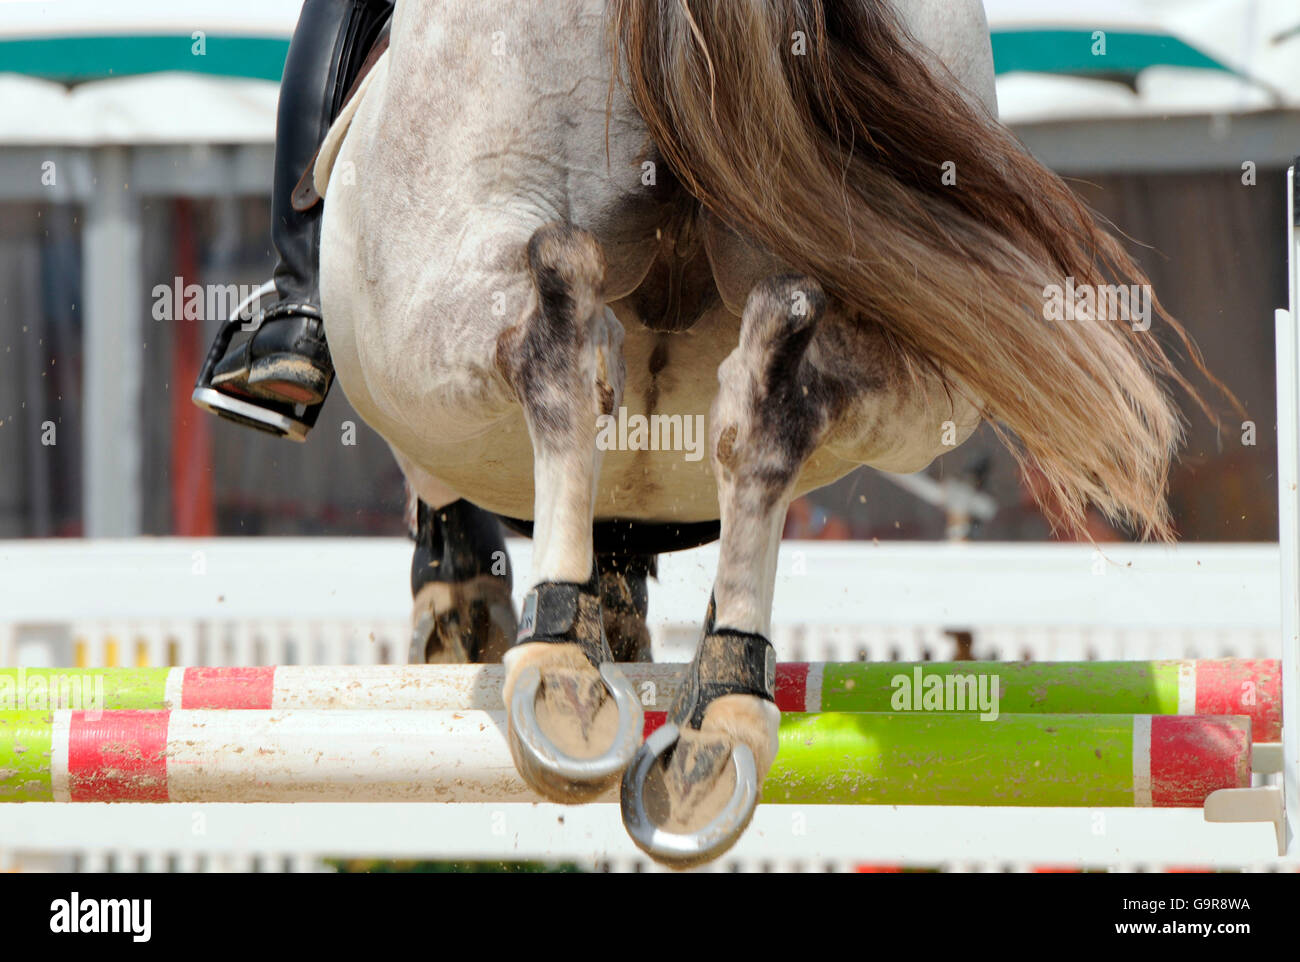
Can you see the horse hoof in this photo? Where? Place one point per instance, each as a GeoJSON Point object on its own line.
{"type": "Point", "coordinates": [662, 804]}
{"type": "Point", "coordinates": [473, 621]}
{"type": "Point", "coordinates": [575, 713]}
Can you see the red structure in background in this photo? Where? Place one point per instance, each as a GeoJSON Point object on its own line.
{"type": "Point", "coordinates": [193, 515]}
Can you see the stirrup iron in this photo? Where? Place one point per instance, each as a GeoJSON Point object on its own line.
{"type": "Point", "coordinates": [281, 419]}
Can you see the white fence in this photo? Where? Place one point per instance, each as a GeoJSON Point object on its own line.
{"type": "Point", "coordinates": [303, 601]}
{"type": "Point", "coordinates": [313, 601]}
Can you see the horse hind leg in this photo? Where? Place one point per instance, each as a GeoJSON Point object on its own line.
{"type": "Point", "coordinates": [692, 789]}
{"type": "Point", "coordinates": [573, 721]}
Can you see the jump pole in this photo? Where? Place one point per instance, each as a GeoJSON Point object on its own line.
{"type": "Point", "coordinates": [461, 756]}
{"type": "Point", "coordinates": [1213, 687]}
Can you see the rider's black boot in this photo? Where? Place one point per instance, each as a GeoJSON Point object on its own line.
{"type": "Point", "coordinates": [276, 379]}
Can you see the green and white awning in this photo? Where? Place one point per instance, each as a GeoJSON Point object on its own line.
{"type": "Point", "coordinates": [1101, 38]}
{"type": "Point", "coordinates": [75, 41]}
{"type": "Point", "coordinates": [206, 71]}
{"type": "Point", "coordinates": [1094, 53]}
{"type": "Point", "coordinates": [1115, 58]}
{"type": "Point", "coordinates": [79, 59]}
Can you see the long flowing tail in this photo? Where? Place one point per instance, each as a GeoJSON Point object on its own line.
{"type": "Point", "coordinates": [832, 158]}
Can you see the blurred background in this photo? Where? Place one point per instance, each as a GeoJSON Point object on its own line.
{"type": "Point", "coordinates": [135, 153]}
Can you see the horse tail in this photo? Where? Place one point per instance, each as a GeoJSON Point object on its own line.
{"type": "Point", "coordinates": [824, 133]}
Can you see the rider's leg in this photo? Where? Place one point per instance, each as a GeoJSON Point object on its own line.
{"type": "Point", "coordinates": [286, 360]}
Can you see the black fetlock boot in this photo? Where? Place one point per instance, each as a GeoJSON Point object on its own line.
{"type": "Point", "coordinates": [460, 581]}
{"type": "Point", "coordinates": [277, 379]}
{"type": "Point", "coordinates": [558, 686]}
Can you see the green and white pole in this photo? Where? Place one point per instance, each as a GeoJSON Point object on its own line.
{"type": "Point", "coordinates": [317, 755]}
{"type": "Point", "coordinates": [1219, 687]}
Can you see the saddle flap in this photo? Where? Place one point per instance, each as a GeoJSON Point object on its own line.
{"type": "Point", "coordinates": [315, 180]}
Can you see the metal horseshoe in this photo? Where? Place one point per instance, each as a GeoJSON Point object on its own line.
{"type": "Point", "coordinates": [684, 850]}
{"type": "Point", "coordinates": [576, 778]}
